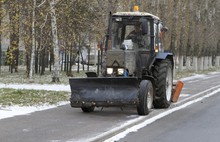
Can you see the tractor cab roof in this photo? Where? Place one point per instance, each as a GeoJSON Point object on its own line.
{"type": "Point", "coordinates": [136, 13]}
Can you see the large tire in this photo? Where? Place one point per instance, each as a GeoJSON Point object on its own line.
{"type": "Point", "coordinates": [88, 109]}
{"type": "Point", "coordinates": [163, 75]}
{"type": "Point", "coordinates": [145, 97]}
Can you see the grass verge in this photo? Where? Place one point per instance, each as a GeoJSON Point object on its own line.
{"type": "Point", "coordinates": [21, 77]}
{"type": "Point", "coordinates": [9, 97]}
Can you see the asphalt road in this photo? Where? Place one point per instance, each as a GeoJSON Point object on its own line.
{"type": "Point", "coordinates": [67, 124]}
{"type": "Point", "coordinates": [196, 123]}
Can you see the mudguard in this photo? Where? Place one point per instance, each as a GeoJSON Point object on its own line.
{"type": "Point", "coordinates": [163, 55]}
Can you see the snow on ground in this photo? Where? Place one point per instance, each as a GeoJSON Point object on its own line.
{"type": "Point", "coordinates": [199, 76]}
{"type": "Point", "coordinates": [11, 111]}
{"type": "Point", "coordinates": [214, 73]}
{"type": "Point", "coordinates": [49, 87]}
{"type": "Point", "coordinates": [6, 112]}
{"type": "Point", "coordinates": [196, 76]}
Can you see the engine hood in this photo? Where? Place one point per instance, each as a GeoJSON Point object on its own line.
{"type": "Point", "coordinates": [122, 59]}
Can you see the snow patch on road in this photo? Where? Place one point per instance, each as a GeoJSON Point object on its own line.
{"type": "Point", "coordinates": [194, 77]}
{"type": "Point", "coordinates": [197, 77]}
{"type": "Point", "coordinates": [213, 73]}
{"type": "Point", "coordinates": [11, 111]}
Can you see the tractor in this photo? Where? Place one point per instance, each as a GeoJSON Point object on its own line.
{"type": "Point", "coordinates": [136, 71]}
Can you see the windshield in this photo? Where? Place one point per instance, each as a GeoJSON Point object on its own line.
{"type": "Point", "coordinates": [127, 34]}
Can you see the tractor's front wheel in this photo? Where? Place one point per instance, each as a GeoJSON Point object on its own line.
{"type": "Point", "coordinates": [88, 109]}
{"type": "Point", "coordinates": [145, 97]}
{"type": "Point", "coordinates": [163, 75]}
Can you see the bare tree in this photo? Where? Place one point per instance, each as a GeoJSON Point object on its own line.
{"type": "Point", "coordinates": [1, 34]}
{"type": "Point", "coordinates": [14, 34]}
{"type": "Point", "coordinates": [55, 75]}
{"type": "Point", "coordinates": [33, 43]}
{"type": "Point", "coordinates": [193, 27]}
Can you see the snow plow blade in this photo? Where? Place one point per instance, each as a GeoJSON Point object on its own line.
{"type": "Point", "coordinates": [103, 92]}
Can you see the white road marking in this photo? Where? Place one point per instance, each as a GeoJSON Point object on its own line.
{"type": "Point", "coordinates": [193, 81]}
{"type": "Point", "coordinates": [26, 130]}
{"type": "Point", "coordinates": [184, 95]}
{"type": "Point", "coordinates": [198, 94]}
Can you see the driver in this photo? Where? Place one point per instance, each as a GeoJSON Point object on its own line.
{"type": "Point", "coordinates": [136, 32]}
{"type": "Point", "coordinates": [136, 36]}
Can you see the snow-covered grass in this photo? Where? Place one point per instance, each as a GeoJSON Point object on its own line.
{"type": "Point", "coordinates": [22, 100]}
{"type": "Point", "coordinates": [16, 89]}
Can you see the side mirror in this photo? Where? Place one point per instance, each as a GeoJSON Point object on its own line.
{"type": "Point", "coordinates": [144, 26]}
{"type": "Point", "coordinates": [123, 47]}
{"type": "Point", "coordinates": [164, 29]}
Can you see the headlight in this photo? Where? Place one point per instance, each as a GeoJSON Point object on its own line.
{"type": "Point", "coordinates": [120, 71]}
{"type": "Point", "coordinates": [109, 70]}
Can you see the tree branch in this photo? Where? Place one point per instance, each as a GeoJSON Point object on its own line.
{"type": "Point", "coordinates": [43, 25]}
{"type": "Point", "coordinates": [41, 4]}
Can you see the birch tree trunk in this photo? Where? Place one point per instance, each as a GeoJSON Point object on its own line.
{"type": "Point", "coordinates": [33, 44]}
{"type": "Point", "coordinates": [0, 35]}
{"type": "Point", "coordinates": [189, 29]}
{"type": "Point", "coordinates": [188, 63]}
{"type": "Point", "coordinates": [55, 74]}
{"type": "Point", "coordinates": [201, 64]}
{"type": "Point", "coordinates": [180, 64]}
{"type": "Point", "coordinates": [206, 62]}
{"type": "Point", "coordinates": [195, 64]}
{"type": "Point", "coordinates": [174, 26]}
{"type": "Point", "coordinates": [210, 62]}
{"type": "Point", "coordinates": [217, 61]}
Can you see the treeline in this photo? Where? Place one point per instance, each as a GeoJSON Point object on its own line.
{"type": "Point", "coordinates": [45, 28]}
{"type": "Point", "coordinates": [194, 34]}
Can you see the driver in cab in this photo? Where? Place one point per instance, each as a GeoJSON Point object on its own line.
{"type": "Point", "coordinates": [136, 36]}
{"type": "Point", "coordinates": [136, 32]}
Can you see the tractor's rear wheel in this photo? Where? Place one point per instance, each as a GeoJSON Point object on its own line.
{"type": "Point", "coordinates": [145, 97]}
{"type": "Point", "coordinates": [88, 109]}
{"type": "Point", "coordinates": [163, 75]}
